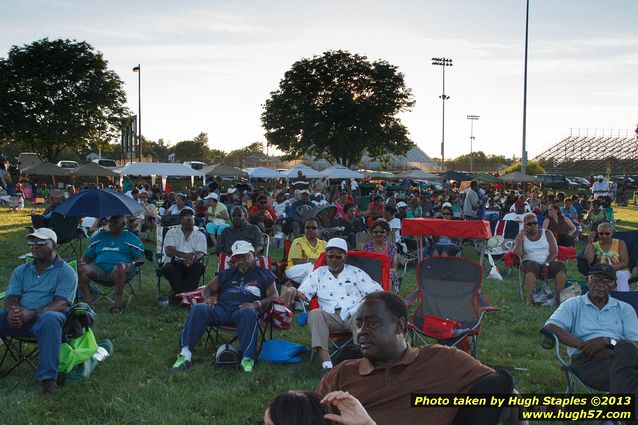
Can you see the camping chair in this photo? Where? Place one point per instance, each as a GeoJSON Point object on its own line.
{"type": "Point", "coordinates": [505, 233]}
{"type": "Point", "coordinates": [499, 382]}
{"type": "Point", "coordinates": [377, 266]}
{"type": "Point", "coordinates": [22, 349]}
{"type": "Point", "coordinates": [105, 289]}
{"type": "Point", "coordinates": [70, 235]}
{"type": "Point", "coordinates": [449, 290]}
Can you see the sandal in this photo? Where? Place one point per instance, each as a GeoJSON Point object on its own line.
{"type": "Point", "coordinates": [117, 309]}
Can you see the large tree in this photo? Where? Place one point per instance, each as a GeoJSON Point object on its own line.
{"type": "Point", "coordinates": [338, 106]}
{"type": "Point", "coordinates": [59, 94]}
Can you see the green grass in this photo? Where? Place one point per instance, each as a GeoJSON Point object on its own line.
{"type": "Point", "coordinates": [133, 386]}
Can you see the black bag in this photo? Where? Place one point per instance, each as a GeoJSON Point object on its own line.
{"type": "Point", "coordinates": [347, 351]}
{"type": "Point", "coordinates": [227, 356]}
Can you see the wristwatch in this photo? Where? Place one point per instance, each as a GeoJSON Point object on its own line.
{"type": "Point", "coordinates": [612, 343]}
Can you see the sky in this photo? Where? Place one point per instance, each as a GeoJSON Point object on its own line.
{"type": "Point", "coordinates": [209, 66]}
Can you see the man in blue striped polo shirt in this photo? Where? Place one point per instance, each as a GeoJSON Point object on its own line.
{"type": "Point", "coordinates": [39, 294]}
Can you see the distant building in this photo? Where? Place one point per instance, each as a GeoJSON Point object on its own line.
{"type": "Point", "coordinates": [415, 158]}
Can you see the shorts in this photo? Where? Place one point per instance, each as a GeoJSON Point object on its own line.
{"type": "Point", "coordinates": [106, 276]}
{"type": "Point", "coordinates": [554, 268]}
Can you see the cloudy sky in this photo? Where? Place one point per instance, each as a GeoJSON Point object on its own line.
{"type": "Point", "coordinates": [210, 65]}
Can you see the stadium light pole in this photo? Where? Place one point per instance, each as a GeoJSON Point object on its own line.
{"type": "Point", "coordinates": [472, 118]}
{"type": "Point", "coordinates": [138, 70]}
{"type": "Point", "coordinates": [524, 148]}
{"type": "Point", "coordinates": [443, 62]}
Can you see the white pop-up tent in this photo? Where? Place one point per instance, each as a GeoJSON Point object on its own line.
{"type": "Point", "coordinates": [264, 173]}
{"type": "Point", "coordinates": [308, 172]}
{"type": "Point", "coordinates": [341, 172]}
{"type": "Point", "coordinates": [163, 169]}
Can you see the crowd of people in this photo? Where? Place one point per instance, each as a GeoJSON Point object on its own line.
{"type": "Point", "coordinates": [232, 223]}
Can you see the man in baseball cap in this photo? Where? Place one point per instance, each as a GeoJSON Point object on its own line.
{"type": "Point", "coordinates": [340, 288]}
{"type": "Point", "coordinates": [601, 333]}
{"type": "Point", "coordinates": [39, 293]}
{"type": "Point", "coordinates": [236, 297]}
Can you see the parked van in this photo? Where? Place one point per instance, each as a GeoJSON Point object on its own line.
{"type": "Point", "coordinates": [28, 159]}
{"type": "Point", "coordinates": [108, 163]}
{"type": "Point", "coordinates": [195, 165]}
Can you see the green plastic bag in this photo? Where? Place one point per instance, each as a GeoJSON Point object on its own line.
{"type": "Point", "coordinates": [77, 351]}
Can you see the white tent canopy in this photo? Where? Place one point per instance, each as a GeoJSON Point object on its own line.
{"type": "Point", "coordinates": [341, 172]}
{"type": "Point", "coordinates": [158, 169]}
{"type": "Point", "coordinates": [307, 171]}
{"type": "Point", "coordinates": [417, 174]}
{"type": "Point", "coordinates": [163, 169]}
{"type": "Point", "coordinates": [264, 173]}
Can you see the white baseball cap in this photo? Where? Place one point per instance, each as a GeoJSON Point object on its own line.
{"type": "Point", "coordinates": [212, 196]}
{"type": "Point", "coordinates": [44, 234]}
{"type": "Point", "coordinates": [402, 205]}
{"type": "Point", "coordinates": [337, 243]}
{"type": "Point", "coordinates": [232, 190]}
{"type": "Point", "coordinates": [446, 204]}
{"type": "Point", "coordinates": [242, 247]}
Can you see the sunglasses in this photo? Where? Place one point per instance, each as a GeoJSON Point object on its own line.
{"type": "Point", "coordinates": [604, 233]}
{"type": "Point", "coordinates": [263, 203]}
{"type": "Point", "coordinates": [38, 243]}
{"type": "Point", "coordinates": [311, 227]}
{"type": "Point", "coordinates": [531, 223]}
{"type": "Point", "coordinates": [335, 257]}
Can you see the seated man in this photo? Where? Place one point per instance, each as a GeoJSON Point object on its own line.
{"type": "Point", "coordinates": [538, 250]}
{"type": "Point", "coordinates": [304, 251]}
{"type": "Point", "coordinates": [38, 295]}
{"type": "Point", "coordinates": [111, 256]}
{"type": "Point", "coordinates": [241, 230]}
{"type": "Point", "coordinates": [55, 197]}
{"type": "Point", "coordinates": [235, 297]}
{"type": "Point", "coordinates": [601, 333]}
{"type": "Point", "coordinates": [184, 249]}
{"type": "Point", "coordinates": [339, 288]}
{"type": "Point", "coordinates": [390, 370]}
{"type": "Point", "coordinates": [179, 205]}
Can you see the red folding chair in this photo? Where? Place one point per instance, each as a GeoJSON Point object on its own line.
{"type": "Point", "coordinates": [378, 268]}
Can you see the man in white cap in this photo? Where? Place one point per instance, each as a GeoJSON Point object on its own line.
{"type": "Point", "coordinates": [600, 187]}
{"type": "Point", "coordinates": [235, 297]}
{"type": "Point", "coordinates": [339, 288]}
{"type": "Point", "coordinates": [39, 293]}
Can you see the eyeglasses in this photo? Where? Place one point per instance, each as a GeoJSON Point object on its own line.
{"type": "Point", "coordinates": [335, 257]}
{"type": "Point", "coordinates": [531, 223]}
{"type": "Point", "coordinates": [263, 203]}
{"type": "Point", "coordinates": [604, 233]}
{"type": "Point", "coordinates": [311, 227]}
{"type": "Point", "coordinates": [607, 282]}
{"type": "Point", "coordinates": [38, 243]}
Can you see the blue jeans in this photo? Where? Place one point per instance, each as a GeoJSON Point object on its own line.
{"type": "Point", "coordinates": [202, 315]}
{"type": "Point", "coordinates": [47, 329]}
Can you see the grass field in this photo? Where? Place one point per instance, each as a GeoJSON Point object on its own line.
{"type": "Point", "coordinates": [133, 386]}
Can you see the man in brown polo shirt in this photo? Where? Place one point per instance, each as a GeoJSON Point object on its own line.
{"type": "Point", "coordinates": [391, 370]}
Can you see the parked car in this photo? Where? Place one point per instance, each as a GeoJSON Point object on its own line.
{"type": "Point", "coordinates": [69, 165]}
{"type": "Point", "coordinates": [554, 181]}
{"type": "Point", "coordinates": [107, 163]}
{"type": "Point", "coordinates": [195, 165]}
{"type": "Point", "coordinates": [582, 182]}
{"type": "Point", "coordinates": [627, 181]}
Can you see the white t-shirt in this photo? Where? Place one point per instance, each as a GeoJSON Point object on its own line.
{"type": "Point", "coordinates": [517, 218]}
{"type": "Point", "coordinates": [395, 226]}
{"type": "Point", "coordinates": [354, 185]}
{"type": "Point", "coordinates": [196, 242]}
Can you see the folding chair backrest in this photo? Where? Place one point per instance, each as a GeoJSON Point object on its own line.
{"type": "Point", "coordinates": [449, 289]}
{"type": "Point", "coordinates": [630, 298]}
{"type": "Point", "coordinates": [66, 228]}
{"type": "Point", "coordinates": [509, 229]}
{"type": "Point", "coordinates": [376, 265]}
{"type": "Point", "coordinates": [631, 240]}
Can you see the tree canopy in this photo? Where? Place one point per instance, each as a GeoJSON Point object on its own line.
{"type": "Point", "coordinates": [531, 168]}
{"type": "Point", "coordinates": [59, 94]}
{"type": "Point", "coordinates": [480, 162]}
{"type": "Point", "coordinates": [338, 106]}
